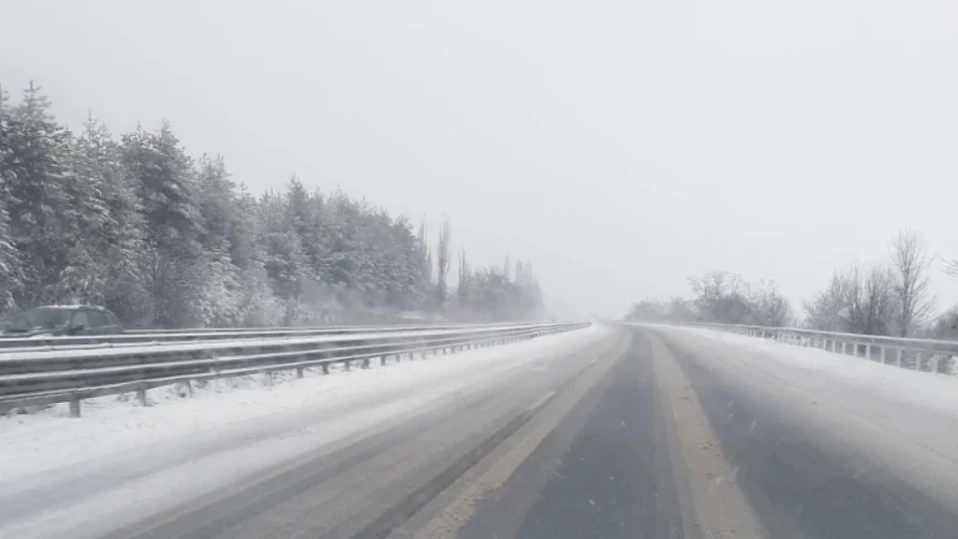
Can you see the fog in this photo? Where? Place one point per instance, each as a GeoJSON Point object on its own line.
{"type": "Point", "coordinates": [620, 147]}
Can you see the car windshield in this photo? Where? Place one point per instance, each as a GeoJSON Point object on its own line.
{"type": "Point", "coordinates": [504, 269]}
{"type": "Point", "coordinates": [40, 318]}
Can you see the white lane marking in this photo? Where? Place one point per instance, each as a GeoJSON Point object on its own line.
{"type": "Point", "coordinates": [545, 398]}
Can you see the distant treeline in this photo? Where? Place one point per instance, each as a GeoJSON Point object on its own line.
{"type": "Point", "coordinates": [893, 297]}
{"type": "Point", "coordinates": [165, 240]}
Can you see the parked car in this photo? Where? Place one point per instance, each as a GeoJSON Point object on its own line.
{"type": "Point", "coordinates": [56, 320]}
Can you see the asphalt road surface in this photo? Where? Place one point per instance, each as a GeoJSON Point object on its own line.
{"type": "Point", "coordinates": [648, 433]}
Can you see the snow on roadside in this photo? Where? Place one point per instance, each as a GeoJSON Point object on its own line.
{"type": "Point", "coordinates": [48, 439]}
{"type": "Point", "coordinates": [934, 392]}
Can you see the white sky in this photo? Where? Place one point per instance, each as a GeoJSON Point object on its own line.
{"type": "Point", "coordinates": [620, 146]}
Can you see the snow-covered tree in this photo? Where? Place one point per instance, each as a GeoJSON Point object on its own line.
{"type": "Point", "coordinates": [166, 241]}
{"type": "Point", "coordinates": [88, 223]}
{"type": "Point", "coordinates": [35, 195]}
{"type": "Point", "coordinates": [11, 271]}
{"type": "Point", "coordinates": [164, 180]}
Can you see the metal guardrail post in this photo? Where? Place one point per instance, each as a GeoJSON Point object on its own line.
{"type": "Point", "coordinates": [141, 396]}
{"type": "Point", "coordinates": [74, 405]}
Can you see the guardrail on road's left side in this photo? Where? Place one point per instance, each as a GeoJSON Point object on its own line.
{"type": "Point", "coordinates": [150, 336]}
{"type": "Point", "coordinates": [41, 377]}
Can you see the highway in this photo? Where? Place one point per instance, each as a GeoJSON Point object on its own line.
{"type": "Point", "coordinates": [639, 432]}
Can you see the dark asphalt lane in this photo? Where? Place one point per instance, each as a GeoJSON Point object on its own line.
{"type": "Point", "coordinates": [798, 485]}
{"type": "Point", "coordinates": [606, 471]}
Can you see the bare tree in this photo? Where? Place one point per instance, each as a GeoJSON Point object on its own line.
{"type": "Point", "coordinates": [769, 307]}
{"type": "Point", "coordinates": [720, 296]}
{"type": "Point", "coordinates": [855, 302]}
{"type": "Point", "coordinates": [910, 264]}
{"type": "Point", "coordinates": [825, 310]}
{"type": "Point", "coordinates": [875, 305]}
{"type": "Point", "coordinates": [443, 261]}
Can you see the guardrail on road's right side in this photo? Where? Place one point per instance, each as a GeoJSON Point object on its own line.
{"type": "Point", "coordinates": [926, 355]}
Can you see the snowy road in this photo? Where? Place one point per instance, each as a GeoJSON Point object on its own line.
{"type": "Point", "coordinates": [596, 433]}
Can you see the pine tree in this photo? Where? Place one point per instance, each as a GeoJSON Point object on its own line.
{"type": "Point", "coordinates": [125, 252]}
{"type": "Point", "coordinates": [163, 175]}
{"type": "Point", "coordinates": [11, 274]}
{"type": "Point", "coordinates": [35, 194]}
{"type": "Point", "coordinates": [245, 252]}
{"type": "Point", "coordinates": [87, 221]}
{"type": "Point", "coordinates": [215, 200]}
{"type": "Point", "coordinates": [284, 259]}
{"type": "Point", "coordinates": [218, 291]}
{"type": "Point", "coordinates": [11, 271]}
{"type": "Point", "coordinates": [164, 241]}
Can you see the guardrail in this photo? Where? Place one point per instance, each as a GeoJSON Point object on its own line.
{"type": "Point", "coordinates": [17, 344]}
{"type": "Point", "coordinates": [926, 355]}
{"type": "Point", "coordinates": [44, 377]}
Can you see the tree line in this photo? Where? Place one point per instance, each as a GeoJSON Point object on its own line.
{"type": "Point", "coordinates": [891, 297]}
{"type": "Point", "coordinates": [720, 297]}
{"type": "Point", "coordinates": [165, 240]}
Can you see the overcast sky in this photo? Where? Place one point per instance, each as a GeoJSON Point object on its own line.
{"type": "Point", "coordinates": [620, 146]}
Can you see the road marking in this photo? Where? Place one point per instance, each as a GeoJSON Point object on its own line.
{"type": "Point", "coordinates": [449, 519]}
{"type": "Point", "coordinates": [545, 398]}
{"type": "Point", "coordinates": [713, 505]}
